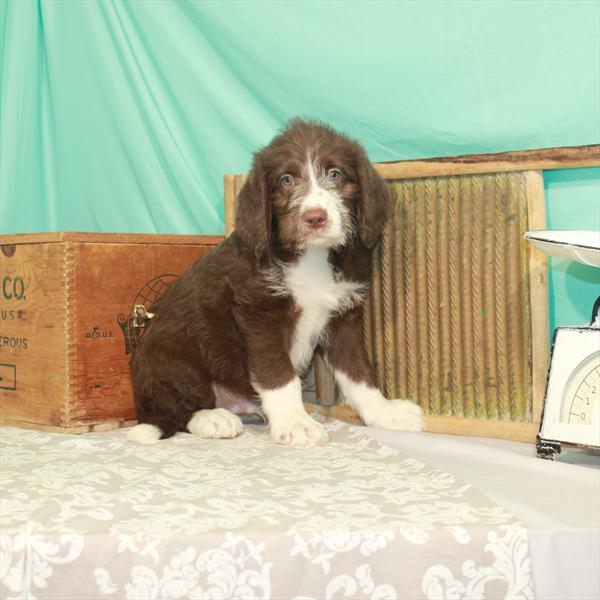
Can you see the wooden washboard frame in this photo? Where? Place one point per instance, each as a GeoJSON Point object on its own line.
{"type": "Point", "coordinates": [515, 181]}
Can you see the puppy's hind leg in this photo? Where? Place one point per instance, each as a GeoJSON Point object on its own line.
{"type": "Point", "coordinates": [215, 423]}
{"type": "Point", "coordinates": [173, 392]}
{"type": "Point", "coordinates": [152, 429]}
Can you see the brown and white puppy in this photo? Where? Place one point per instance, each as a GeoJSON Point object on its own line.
{"type": "Point", "coordinates": [242, 323]}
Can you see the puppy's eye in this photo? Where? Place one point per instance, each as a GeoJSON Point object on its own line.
{"type": "Point", "coordinates": [287, 180]}
{"type": "Point", "coordinates": [334, 174]}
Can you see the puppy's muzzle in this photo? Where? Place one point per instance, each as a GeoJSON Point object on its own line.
{"type": "Point", "coordinates": [315, 219]}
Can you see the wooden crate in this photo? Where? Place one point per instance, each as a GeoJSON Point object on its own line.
{"type": "Point", "coordinates": [66, 328]}
{"type": "Point", "coordinates": [468, 337]}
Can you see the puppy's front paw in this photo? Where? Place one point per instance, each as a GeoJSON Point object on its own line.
{"type": "Point", "coordinates": [403, 415]}
{"type": "Point", "coordinates": [297, 429]}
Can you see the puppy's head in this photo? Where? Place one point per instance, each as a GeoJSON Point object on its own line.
{"type": "Point", "coordinates": [311, 187]}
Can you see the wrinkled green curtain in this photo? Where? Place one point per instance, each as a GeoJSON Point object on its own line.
{"type": "Point", "coordinates": [124, 115]}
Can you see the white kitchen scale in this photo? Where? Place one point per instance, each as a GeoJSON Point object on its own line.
{"type": "Point", "coordinates": [571, 412]}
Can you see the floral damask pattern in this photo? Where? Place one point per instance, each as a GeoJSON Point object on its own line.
{"type": "Point", "coordinates": [28, 560]}
{"type": "Point", "coordinates": [510, 568]}
{"type": "Point", "coordinates": [236, 569]}
{"type": "Point", "coordinates": [98, 516]}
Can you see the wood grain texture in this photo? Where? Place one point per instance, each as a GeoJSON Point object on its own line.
{"type": "Point", "coordinates": [70, 414]}
{"type": "Point", "coordinates": [232, 184]}
{"type": "Point", "coordinates": [229, 196]}
{"type": "Point", "coordinates": [33, 342]}
{"type": "Point", "coordinates": [70, 430]}
{"type": "Point", "coordinates": [76, 312]}
{"type": "Point", "coordinates": [521, 432]}
{"type": "Point", "coordinates": [108, 238]}
{"type": "Point", "coordinates": [108, 280]}
{"type": "Point", "coordinates": [538, 291]}
{"type": "Point", "coordinates": [470, 164]}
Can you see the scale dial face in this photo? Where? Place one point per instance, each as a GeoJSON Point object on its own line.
{"type": "Point", "coordinates": [572, 403]}
{"type": "Point", "coordinates": [582, 392]}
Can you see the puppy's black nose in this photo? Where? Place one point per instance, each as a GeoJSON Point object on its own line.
{"type": "Point", "coordinates": [314, 218]}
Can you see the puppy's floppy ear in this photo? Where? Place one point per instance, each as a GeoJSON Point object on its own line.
{"type": "Point", "coordinates": [374, 201]}
{"type": "Point", "coordinates": [253, 212]}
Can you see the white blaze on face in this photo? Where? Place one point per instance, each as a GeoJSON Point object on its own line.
{"type": "Point", "coordinates": [319, 197]}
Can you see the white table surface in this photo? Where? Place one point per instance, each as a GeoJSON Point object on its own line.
{"type": "Point", "coordinates": [558, 502]}
{"type": "Point", "coordinates": [105, 492]}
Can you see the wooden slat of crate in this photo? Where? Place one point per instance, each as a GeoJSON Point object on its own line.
{"type": "Point", "coordinates": [519, 432]}
{"type": "Point", "coordinates": [568, 157]}
{"type": "Point", "coordinates": [108, 238]}
{"type": "Point", "coordinates": [33, 335]}
{"type": "Point", "coordinates": [538, 294]}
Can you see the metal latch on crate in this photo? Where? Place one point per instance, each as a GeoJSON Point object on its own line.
{"type": "Point", "coordinates": [141, 316]}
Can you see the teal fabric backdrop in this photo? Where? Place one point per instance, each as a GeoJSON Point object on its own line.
{"type": "Point", "coordinates": [124, 116]}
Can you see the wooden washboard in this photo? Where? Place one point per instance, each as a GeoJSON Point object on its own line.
{"type": "Point", "coordinates": [457, 314]}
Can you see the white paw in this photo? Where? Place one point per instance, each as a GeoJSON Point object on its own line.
{"type": "Point", "coordinates": [297, 429]}
{"type": "Point", "coordinates": [215, 423]}
{"type": "Point", "coordinates": [403, 415]}
{"type": "Point", "coordinates": [144, 433]}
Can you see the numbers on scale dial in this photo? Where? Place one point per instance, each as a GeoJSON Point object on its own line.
{"type": "Point", "coordinates": [582, 392]}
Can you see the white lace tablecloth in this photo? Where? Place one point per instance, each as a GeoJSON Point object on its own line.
{"type": "Point", "coordinates": [96, 516]}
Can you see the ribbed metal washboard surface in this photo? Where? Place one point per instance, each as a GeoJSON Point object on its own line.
{"type": "Point", "coordinates": [448, 322]}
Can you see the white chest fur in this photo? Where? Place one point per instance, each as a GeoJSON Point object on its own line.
{"type": "Point", "coordinates": [317, 295]}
